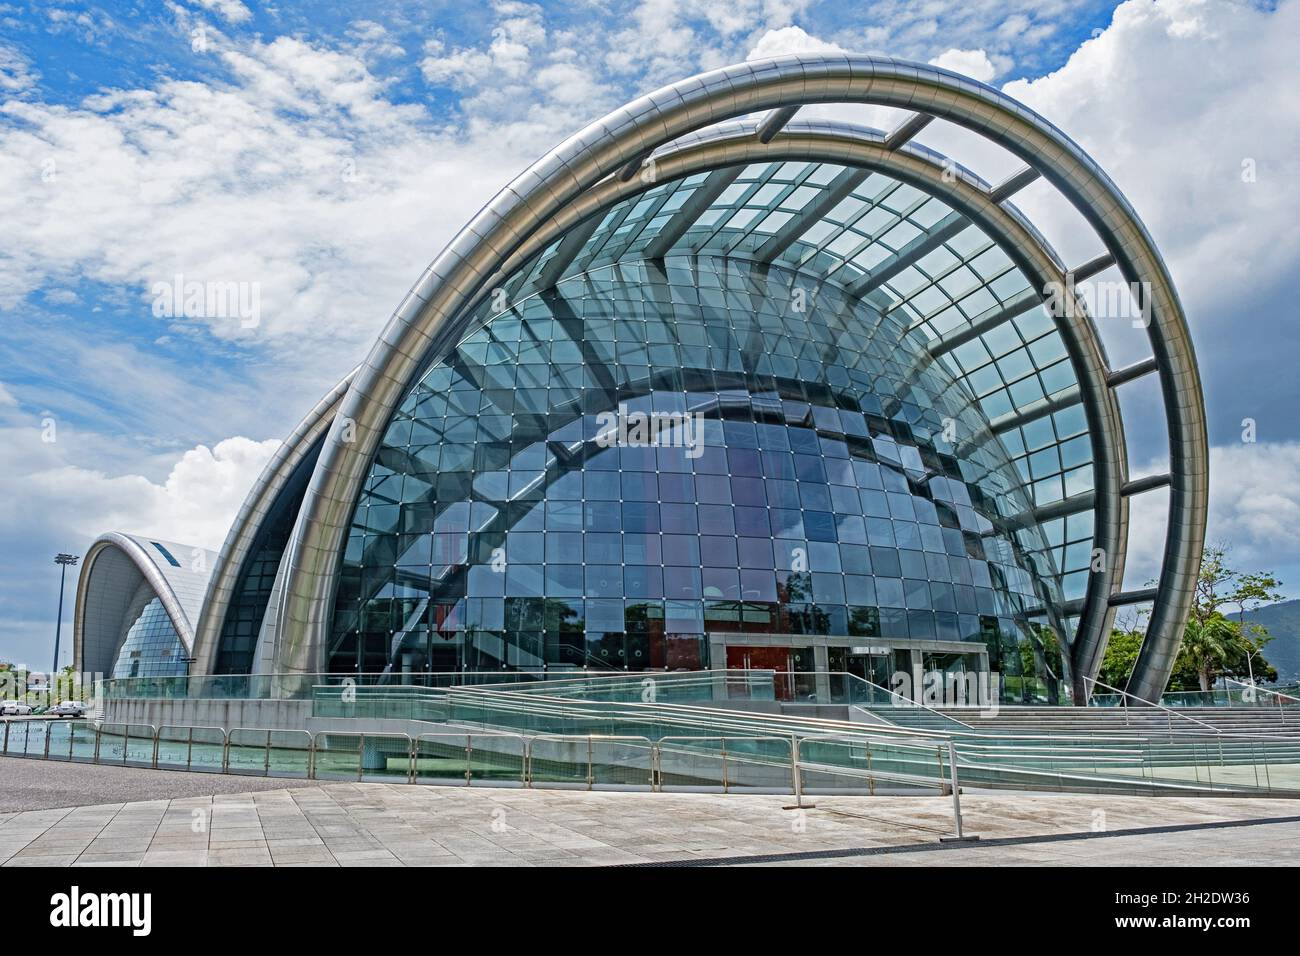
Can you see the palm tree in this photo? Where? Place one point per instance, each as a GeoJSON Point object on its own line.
{"type": "Point", "coordinates": [1207, 643]}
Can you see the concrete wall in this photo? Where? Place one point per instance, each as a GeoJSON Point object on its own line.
{"type": "Point", "coordinates": [227, 714]}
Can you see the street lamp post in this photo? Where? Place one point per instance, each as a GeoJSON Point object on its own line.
{"type": "Point", "coordinates": [64, 561]}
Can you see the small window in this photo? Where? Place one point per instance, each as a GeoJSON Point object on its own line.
{"type": "Point", "coordinates": [166, 554]}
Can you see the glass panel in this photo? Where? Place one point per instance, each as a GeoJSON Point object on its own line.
{"type": "Point", "coordinates": [777, 431]}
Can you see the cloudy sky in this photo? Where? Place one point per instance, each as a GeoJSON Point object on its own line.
{"type": "Point", "coordinates": [323, 153]}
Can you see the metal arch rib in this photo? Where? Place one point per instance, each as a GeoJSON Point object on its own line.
{"type": "Point", "coordinates": [148, 569]}
{"type": "Point", "coordinates": [239, 540]}
{"type": "Point", "coordinates": [424, 320]}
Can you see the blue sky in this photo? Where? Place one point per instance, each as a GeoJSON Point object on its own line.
{"type": "Point", "coordinates": [325, 152]}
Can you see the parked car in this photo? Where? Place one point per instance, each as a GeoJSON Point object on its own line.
{"type": "Point", "coordinates": [68, 708]}
{"type": "Point", "coordinates": [14, 708]}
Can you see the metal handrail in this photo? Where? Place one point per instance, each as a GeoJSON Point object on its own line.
{"type": "Point", "coordinates": [723, 754]}
{"type": "Point", "coordinates": [1271, 693]}
{"type": "Point", "coordinates": [538, 705]}
{"type": "Point", "coordinates": [907, 701]}
{"type": "Point", "coordinates": [969, 755]}
{"type": "Point", "coordinates": [683, 713]}
{"type": "Point", "coordinates": [591, 758]}
{"type": "Point", "coordinates": [720, 720]}
{"type": "Point", "coordinates": [871, 774]}
{"type": "Point", "coordinates": [468, 737]}
{"type": "Point", "coordinates": [1167, 710]}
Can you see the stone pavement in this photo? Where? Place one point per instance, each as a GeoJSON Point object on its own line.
{"type": "Point", "coordinates": [27, 784]}
{"type": "Point", "coordinates": [388, 824]}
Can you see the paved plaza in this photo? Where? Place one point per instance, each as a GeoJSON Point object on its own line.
{"type": "Point", "coordinates": [344, 824]}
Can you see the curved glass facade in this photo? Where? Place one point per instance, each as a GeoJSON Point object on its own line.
{"type": "Point", "coordinates": [152, 647]}
{"type": "Point", "coordinates": [826, 495]}
{"type": "Point", "coordinates": [242, 624]}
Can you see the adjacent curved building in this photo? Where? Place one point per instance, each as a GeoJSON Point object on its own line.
{"type": "Point", "coordinates": [709, 385]}
{"type": "Point", "coordinates": [138, 599]}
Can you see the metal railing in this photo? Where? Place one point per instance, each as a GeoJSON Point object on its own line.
{"type": "Point", "coordinates": [1169, 711]}
{"type": "Point", "coordinates": [299, 686]}
{"type": "Point", "coordinates": [803, 765]}
{"type": "Point", "coordinates": [591, 761]}
{"type": "Point", "coordinates": [1219, 697]}
{"type": "Point", "coordinates": [602, 710]}
{"type": "Point", "coordinates": [1283, 701]}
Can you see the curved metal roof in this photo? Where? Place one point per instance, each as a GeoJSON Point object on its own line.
{"type": "Point", "coordinates": [260, 502]}
{"type": "Point", "coordinates": [118, 570]}
{"type": "Point", "coordinates": [898, 241]}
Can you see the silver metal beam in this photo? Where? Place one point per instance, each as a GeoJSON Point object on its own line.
{"type": "Point", "coordinates": [1140, 596]}
{"type": "Point", "coordinates": [917, 249]}
{"type": "Point", "coordinates": [1073, 505]}
{"type": "Point", "coordinates": [906, 130]}
{"type": "Point", "coordinates": [632, 167]}
{"type": "Point", "coordinates": [774, 122]}
{"type": "Point", "coordinates": [1062, 400]}
{"type": "Point", "coordinates": [1090, 268]}
{"type": "Point", "coordinates": [1005, 423]}
{"type": "Point", "coordinates": [1130, 372]}
{"type": "Point", "coordinates": [1118, 599]}
{"type": "Point", "coordinates": [1138, 485]}
{"type": "Point", "coordinates": [1019, 304]}
{"type": "Point", "coordinates": [566, 252]}
{"type": "Point", "coordinates": [1013, 184]}
{"type": "Point", "coordinates": [830, 197]}
{"type": "Point", "coordinates": [705, 195]}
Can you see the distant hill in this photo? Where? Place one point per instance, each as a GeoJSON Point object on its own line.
{"type": "Point", "coordinates": [1283, 622]}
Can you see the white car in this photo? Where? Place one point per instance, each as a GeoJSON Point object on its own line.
{"type": "Point", "coordinates": [68, 708]}
{"type": "Point", "coordinates": [14, 708]}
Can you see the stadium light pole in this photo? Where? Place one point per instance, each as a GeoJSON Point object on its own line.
{"type": "Point", "coordinates": [64, 561]}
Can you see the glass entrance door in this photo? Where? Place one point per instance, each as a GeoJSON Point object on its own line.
{"type": "Point", "coordinates": [765, 658]}
{"type": "Point", "coordinates": [870, 667]}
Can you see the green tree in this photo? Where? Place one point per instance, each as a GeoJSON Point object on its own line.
{"type": "Point", "coordinates": [1121, 654]}
{"type": "Point", "coordinates": [1207, 645]}
{"type": "Point", "coordinates": [1213, 644]}
{"type": "Point", "coordinates": [1251, 591]}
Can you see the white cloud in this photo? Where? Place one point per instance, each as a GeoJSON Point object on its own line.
{"type": "Point", "coordinates": [193, 505]}
{"type": "Point", "coordinates": [518, 32]}
{"type": "Point", "coordinates": [230, 10]}
{"type": "Point", "coordinates": [972, 63]}
{"type": "Point", "coordinates": [372, 41]}
{"type": "Point", "coordinates": [1176, 100]}
{"type": "Point", "coordinates": [791, 40]}
{"type": "Point", "coordinates": [1254, 508]}
{"type": "Point", "coordinates": [16, 73]}
{"type": "Point", "coordinates": [298, 175]}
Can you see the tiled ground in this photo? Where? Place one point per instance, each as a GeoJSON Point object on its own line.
{"type": "Point", "coordinates": [382, 824]}
{"type": "Point", "coordinates": [40, 784]}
